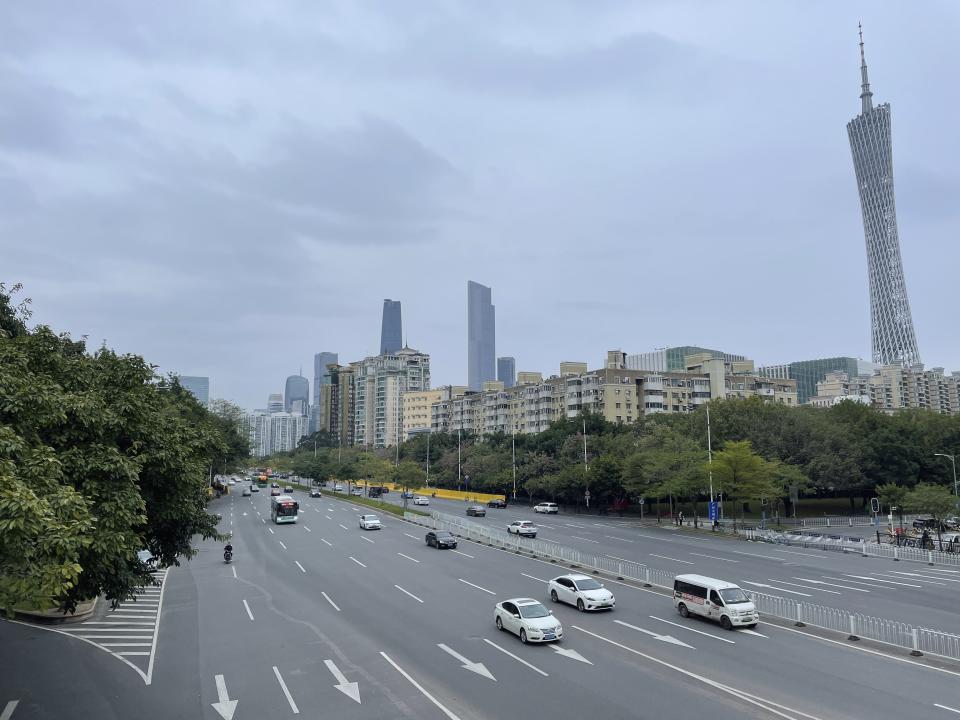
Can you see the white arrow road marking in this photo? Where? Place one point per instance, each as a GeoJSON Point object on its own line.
{"type": "Point", "coordinates": [881, 580]}
{"type": "Point", "coordinates": [518, 659]}
{"type": "Point", "coordinates": [302, 569]}
{"type": "Point", "coordinates": [327, 597]}
{"type": "Point", "coordinates": [774, 587]}
{"type": "Point", "coordinates": [248, 609]}
{"type": "Point", "coordinates": [664, 557]}
{"type": "Point", "coordinates": [350, 689]}
{"type": "Point", "coordinates": [419, 687]}
{"type": "Point", "coordinates": [224, 705]}
{"type": "Point", "coordinates": [357, 561]}
{"type": "Point", "coordinates": [327, 542]}
{"type": "Point", "coordinates": [714, 557]}
{"type": "Point", "coordinates": [942, 707]}
{"type": "Point", "coordinates": [534, 578]}
{"type": "Point", "coordinates": [478, 668]}
{"type": "Point", "coordinates": [465, 582]}
{"type": "Point", "coordinates": [283, 686]}
{"type": "Point", "coordinates": [8, 710]}
{"type": "Point", "coordinates": [684, 627]}
{"type": "Point", "coordinates": [748, 631]}
{"type": "Point", "coordinates": [656, 636]}
{"type": "Point", "coordinates": [407, 592]}
{"type": "Point", "coordinates": [408, 557]}
{"type": "Point", "coordinates": [821, 582]}
{"type": "Point", "coordinates": [572, 654]}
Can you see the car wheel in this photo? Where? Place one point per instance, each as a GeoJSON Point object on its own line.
{"type": "Point", "coordinates": [499, 623]}
{"type": "Point", "coordinates": [553, 595]}
{"type": "Point", "coordinates": [725, 623]}
{"type": "Point", "coordinates": [682, 609]}
{"type": "Point", "coordinates": [523, 636]}
{"type": "Point", "coordinates": [580, 605]}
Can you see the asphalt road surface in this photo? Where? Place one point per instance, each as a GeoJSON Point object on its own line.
{"type": "Point", "coordinates": [323, 619]}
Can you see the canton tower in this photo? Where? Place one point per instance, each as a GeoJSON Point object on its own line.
{"type": "Point", "coordinates": [891, 323]}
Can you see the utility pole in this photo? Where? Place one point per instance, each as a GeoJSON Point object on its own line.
{"type": "Point", "coordinates": [709, 452]}
{"type": "Point", "coordinates": [953, 461]}
{"type": "Point", "coordinates": [513, 448]}
{"type": "Point", "coordinates": [429, 433]}
{"type": "Point", "coordinates": [458, 458]}
{"type": "Point", "coordinates": [584, 444]}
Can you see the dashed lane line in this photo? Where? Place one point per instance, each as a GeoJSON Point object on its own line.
{"type": "Point", "coordinates": [408, 557]}
{"type": "Point", "coordinates": [357, 561]}
{"type": "Point", "coordinates": [464, 554]}
{"type": "Point", "coordinates": [805, 587]}
{"type": "Point", "coordinates": [664, 557]}
{"type": "Point", "coordinates": [420, 687]}
{"type": "Point", "coordinates": [302, 569]}
{"type": "Point", "coordinates": [367, 539]}
{"type": "Point", "coordinates": [286, 692]}
{"type": "Point", "coordinates": [534, 578]}
{"type": "Point", "coordinates": [332, 603]}
{"type": "Point", "coordinates": [577, 537]}
{"type": "Point", "coordinates": [467, 582]}
{"type": "Point", "coordinates": [327, 542]}
{"type": "Point", "coordinates": [247, 606]}
{"type": "Point", "coordinates": [407, 592]}
{"type": "Point", "coordinates": [714, 557]}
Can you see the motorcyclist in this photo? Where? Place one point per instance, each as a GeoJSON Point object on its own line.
{"type": "Point", "coordinates": [228, 550]}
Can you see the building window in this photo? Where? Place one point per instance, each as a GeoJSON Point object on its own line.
{"type": "Point", "coordinates": [618, 406]}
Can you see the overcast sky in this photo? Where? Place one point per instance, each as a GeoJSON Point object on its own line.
{"type": "Point", "coordinates": [227, 188]}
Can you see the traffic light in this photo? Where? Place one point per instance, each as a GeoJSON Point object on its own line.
{"type": "Point", "coordinates": [875, 504]}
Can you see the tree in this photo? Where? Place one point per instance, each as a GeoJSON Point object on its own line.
{"type": "Point", "coordinates": [742, 475]}
{"type": "Point", "coordinates": [934, 500]}
{"type": "Point", "coordinates": [408, 475]}
{"type": "Point", "coordinates": [893, 496]}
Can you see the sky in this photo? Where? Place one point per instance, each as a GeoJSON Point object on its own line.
{"type": "Point", "coordinates": [228, 188]}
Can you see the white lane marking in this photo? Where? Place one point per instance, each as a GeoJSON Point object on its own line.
{"type": "Point", "coordinates": [283, 686]}
{"type": "Point", "coordinates": [881, 580]}
{"type": "Point", "coordinates": [614, 537]}
{"type": "Point", "coordinates": [549, 527]}
{"type": "Point", "coordinates": [327, 598]}
{"type": "Point", "coordinates": [302, 569]}
{"type": "Point", "coordinates": [821, 582]}
{"type": "Point", "coordinates": [406, 592]}
{"type": "Point", "coordinates": [765, 557]}
{"type": "Point", "coordinates": [942, 707]}
{"type": "Point", "coordinates": [327, 542]}
{"type": "Point", "coordinates": [857, 582]}
{"type": "Point", "coordinates": [570, 653]}
{"type": "Point", "coordinates": [357, 561]}
{"type": "Point", "coordinates": [99, 636]}
{"type": "Point", "coordinates": [762, 703]}
{"type": "Point", "coordinates": [805, 587]}
{"type": "Point", "coordinates": [924, 575]}
{"type": "Point", "coordinates": [518, 659]}
{"type": "Point", "coordinates": [408, 557]}
{"type": "Point", "coordinates": [534, 578]}
{"type": "Point", "coordinates": [477, 667]}
{"type": "Point", "coordinates": [464, 554]}
{"type": "Point", "coordinates": [614, 557]}
{"type": "Point", "coordinates": [307, 529]}
{"type": "Point", "coordinates": [577, 537]}
{"type": "Point", "coordinates": [656, 636]}
{"type": "Point", "coordinates": [271, 531]}
{"type": "Point", "coordinates": [363, 537]}
{"type": "Point", "coordinates": [127, 644]}
{"type": "Point", "coordinates": [793, 552]}
{"type": "Point", "coordinates": [652, 537]}
{"type": "Point", "coordinates": [249, 614]}
{"type": "Point", "coordinates": [664, 557]}
{"type": "Point", "coordinates": [263, 520]}
{"type": "Point", "coordinates": [419, 687]}
{"type": "Point", "coordinates": [234, 568]}
{"type": "Point", "coordinates": [116, 624]}
{"type": "Point", "coordinates": [282, 545]}
{"type": "Point", "coordinates": [342, 525]}
{"type": "Point", "coordinates": [133, 617]}
{"type": "Point", "coordinates": [748, 631]}
{"type": "Point", "coordinates": [698, 632]}
{"type": "Point", "coordinates": [412, 536]}
{"type": "Point", "coordinates": [144, 654]}
{"type": "Point", "coordinates": [714, 557]}
{"type": "Point", "coordinates": [582, 527]}
{"type": "Point", "coordinates": [775, 587]}
{"type": "Point", "coordinates": [156, 628]}
{"type": "Point", "coordinates": [8, 709]}
{"type": "Point", "coordinates": [328, 517]}
{"type": "Point", "coordinates": [350, 689]}
{"type": "Point", "coordinates": [465, 582]}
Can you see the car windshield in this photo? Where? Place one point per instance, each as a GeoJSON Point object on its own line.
{"type": "Point", "coordinates": [732, 596]}
{"type": "Point", "coordinates": [444, 536]}
{"type": "Point", "coordinates": [535, 610]}
{"type": "Point", "coordinates": [588, 584]}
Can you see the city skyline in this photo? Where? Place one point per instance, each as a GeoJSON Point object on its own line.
{"type": "Point", "coordinates": [557, 162]}
{"type": "Point", "coordinates": [481, 336]}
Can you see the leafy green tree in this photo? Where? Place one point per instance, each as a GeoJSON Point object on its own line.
{"type": "Point", "coordinates": [893, 496]}
{"type": "Point", "coordinates": [934, 500]}
{"type": "Point", "coordinates": [408, 475]}
{"type": "Point", "coordinates": [742, 475]}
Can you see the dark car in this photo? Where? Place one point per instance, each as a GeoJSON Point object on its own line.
{"type": "Point", "coordinates": [374, 492]}
{"type": "Point", "coordinates": [288, 489]}
{"type": "Point", "coordinates": [441, 539]}
{"type": "Point", "coordinates": [497, 503]}
{"type": "Point", "coordinates": [477, 510]}
{"type": "Point", "coordinates": [928, 524]}
{"type": "Point", "coordinates": [315, 492]}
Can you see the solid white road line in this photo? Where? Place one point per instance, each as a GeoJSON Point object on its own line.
{"type": "Point", "coordinates": [465, 582]}
{"type": "Point", "coordinates": [664, 557]}
{"type": "Point", "coordinates": [577, 537]}
{"type": "Point", "coordinates": [857, 582]}
{"type": "Point", "coordinates": [362, 537]}
{"type": "Point", "coordinates": [302, 569]}
{"type": "Point", "coordinates": [698, 632]}
{"type": "Point", "coordinates": [942, 707]}
{"type": "Point", "coordinates": [408, 557]}
{"type": "Point", "coordinates": [534, 578]}
{"type": "Point", "coordinates": [464, 554]}
{"type": "Point", "coordinates": [714, 557]}
{"type": "Point", "coordinates": [327, 542]}
{"type": "Point", "coordinates": [282, 545]}
{"type": "Point", "coordinates": [271, 531]}
{"type": "Point", "coordinates": [518, 659]}
{"type": "Point", "coordinates": [283, 686]}
{"type": "Point", "coordinates": [357, 561]}
{"type": "Point", "coordinates": [234, 570]}
{"type": "Point", "coordinates": [406, 592]}
{"type": "Point", "coordinates": [8, 709]}
{"type": "Point", "coordinates": [327, 598]}
{"type": "Point", "coordinates": [342, 525]}
{"type": "Point", "coordinates": [614, 537]}
{"type": "Point", "coordinates": [776, 587]}
{"type": "Point", "coordinates": [805, 587]}
{"type": "Point", "coordinates": [419, 687]}
{"type": "Point", "coordinates": [307, 529]}
{"type": "Point", "coordinates": [250, 614]}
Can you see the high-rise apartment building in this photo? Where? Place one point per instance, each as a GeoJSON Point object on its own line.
{"type": "Point", "coordinates": [296, 395]}
{"type": "Point", "coordinates": [274, 432]}
{"type": "Point", "coordinates": [391, 328]}
{"type": "Point", "coordinates": [378, 387]}
{"type": "Point", "coordinates": [275, 403]}
{"type": "Point", "coordinates": [507, 371]}
{"type": "Point", "coordinates": [342, 390]}
{"type": "Point", "coordinates": [892, 388]}
{"type": "Point", "coordinates": [891, 324]}
{"type": "Point", "coordinates": [481, 336]}
{"type": "Point", "coordinates": [321, 375]}
{"type": "Point", "coordinates": [197, 386]}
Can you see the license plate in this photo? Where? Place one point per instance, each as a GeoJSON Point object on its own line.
{"type": "Point", "coordinates": [549, 636]}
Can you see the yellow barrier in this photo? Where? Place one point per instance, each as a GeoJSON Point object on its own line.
{"type": "Point", "coordinates": [445, 494]}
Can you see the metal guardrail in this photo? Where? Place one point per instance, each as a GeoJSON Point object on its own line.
{"type": "Point", "coordinates": [917, 640]}
{"type": "Point", "coordinates": [860, 546]}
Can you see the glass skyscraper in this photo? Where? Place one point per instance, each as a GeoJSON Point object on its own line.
{"type": "Point", "coordinates": [197, 386]}
{"type": "Point", "coordinates": [296, 395]}
{"type": "Point", "coordinates": [391, 329]}
{"type": "Point", "coordinates": [891, 324]}
{"type": "Point", "coordinates": [507, 371]}
{"type": "Point", "coordinates": [321, 376]}
{"type": "Point", "coordinates": [481, 336]}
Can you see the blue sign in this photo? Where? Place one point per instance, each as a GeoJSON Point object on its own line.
{"type": "Point", "coordinates": [714, 510]}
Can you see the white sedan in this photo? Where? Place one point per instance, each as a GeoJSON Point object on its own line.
{"type": "Point", "coordinates": [370, 522]}
{"type": "Point", "coordinates": [527, 618]}
{"type": "Point", "coordinates": [421, 500]}
{"type": "Point", "coordinates": [582, 591]}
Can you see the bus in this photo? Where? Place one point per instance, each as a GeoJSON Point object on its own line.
{"type": "Point", "coordinates": [284, 509]}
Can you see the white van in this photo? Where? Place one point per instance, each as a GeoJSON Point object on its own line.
{"type": "Point", "coordinates": [715, 599]}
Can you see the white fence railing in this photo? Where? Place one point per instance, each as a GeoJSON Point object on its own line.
{"type": "Point", "coordinates": [917, 640]}
{"type": "Point", "coordinates": [860, 546]}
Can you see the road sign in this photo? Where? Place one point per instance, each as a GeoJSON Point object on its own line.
{"type": "Point", "coordinates": [713, 510]}
{"type": "Point", "coordinates": [586, 495]}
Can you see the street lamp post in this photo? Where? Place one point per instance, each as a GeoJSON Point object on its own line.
{"type": "Point", "coordinates": [953, 462]}
{"type": "Point", "coordinates": [429, 433]}
{"type": "Point", "coordinates": [513, 450]}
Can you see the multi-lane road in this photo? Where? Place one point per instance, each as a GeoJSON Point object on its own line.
{"type": "Point", "coordinates": [323, 619]}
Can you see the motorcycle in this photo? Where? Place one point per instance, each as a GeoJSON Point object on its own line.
{"type": "Point", "coordinates": [227, 556]}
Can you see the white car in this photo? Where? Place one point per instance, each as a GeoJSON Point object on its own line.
{"type": "Point", "coordinates": [523, 527]}
{"type": "Point", "coordinates": [421, 500]}
{"type": "Point", "coordinates": [370, 522]}
{"type": "Point", "coordinates": [527, 618]}
{"type": "Point", "coordinates": [357, 491]}
{"type": "Point", "coordinates": [338, 487]}
{"type": "Point", "coordinates": [232, 481]}
{"type": "Point", "coordinates": [582, 591]}
{"type": "Point", "coordinates": [546, 508]}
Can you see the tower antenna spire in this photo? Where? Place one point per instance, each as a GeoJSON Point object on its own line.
{"type": "Point", "coordinates": [866, 97]}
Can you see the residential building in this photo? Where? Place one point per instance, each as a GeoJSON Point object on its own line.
{"type": "Point", "coordinates": [674, 359]}
{"type": "Point", "coordinates": [379, 384]}
{"type": "Point", "coordinates": [197, 386]}
{"type": "Point", "coordinates": [441, 411]}
{"type": "Point", "coordinates": [507, 371]}
{"type": "Point", "coordinates": [572, 368]}
{"type": "Point", "coordinates": [529, 378]}
{"type": "Point", "coordinates": [391, 328]}
{"type": "Point", "coordinates": [275, 403]}
{"type": "Point", "coordinates": [321, 373]}
{"type": "Point", "coordinates": [271, 433]}
{"type": "Point", "coordinates": [342, 391]}
{"type": "Point", "coordinates": [481, 336]}
{"type": "Point", "coordinates": [836, 387]}
{"type": "Point", "coordinates": [416, 408]}
{"type": "Point", "coordinates": [296, 395]}
{"type": "Point", "coordinates": [891, 323]}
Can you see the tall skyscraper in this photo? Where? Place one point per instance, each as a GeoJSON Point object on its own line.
{"type": "Point", "coordinates": [391, 329]}
{"type": "Point", "coordinates": [296, 395]}
{"type": "Point", "coordinates": [197, 386]}
{"type": "Point", "coordinates": [321, 376]}
{"type": "Point", "coordinates": [507, 371]}
{"type": "Point", "coordinates": [891, 323]}
{"type": "Point", "coordinates": [481, 336]}
{"type": "Point", "coordinates": [275, 403]}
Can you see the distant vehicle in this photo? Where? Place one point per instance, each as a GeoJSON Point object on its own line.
{"type": "Point", "coordinates": [357, 491]}
{"type": "Point", "coordinates": [523, 527]}
{"type": "Point", "coordinates": [370, 522]}
{"type": "Point", "coordinates": [497, 503]}
{"type": "Point", "coordinates": [408, 495]}
{"type": "Point", "coordinates": [441, 539]}
{"type": "Point", "coordinates": [546, 507]}
{"type": "Point", "coordinates": [315, 492]}
{"type": "Point", "coordinates": [246, 492]}
{"type": "Point", "coordinates": [374, 492]}
{"type": "Point", "coordinates": [274, 485]}
{"type": "Point", "coordinates": [715, 599]}
{"type": "Point", "coordinates": [232, 481]}
{"type": "Point", "coordinates": [582, 591]}
{"type": "Point", "coordinates": [274, 491]}
{"type": "Point", "coordinates": [477, 510]}
{"type": "Point", "coordinates": [338, 487]}
{"type": "Point", "coordinates": [421, 500]}
{"type": "Point", "coordinates": [384, 489]}
{"type": "Point", "coordinates": [284, 509]}
{"type": "Point", "coordinates": [932, 524]}
{"type": "Point", "coordinates": [254, 488]}
{"type": "Point", "coordinates": [527, 618]}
